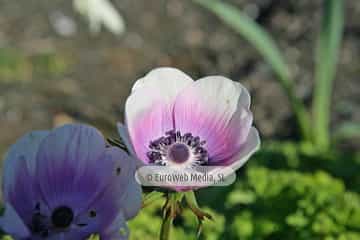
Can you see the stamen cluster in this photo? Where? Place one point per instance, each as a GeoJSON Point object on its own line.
{"type": "Point", "coordinates": [162, 148]}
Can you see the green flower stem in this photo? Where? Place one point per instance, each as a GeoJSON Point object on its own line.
{"type": "Point", "coordinates": [191, 201]}
{"type": "Point", "coordinates": [170, 210]}
{"type": "Point", "coordinates": [166, 228]}
{"type": "Point", "coordinates": [193, 205]}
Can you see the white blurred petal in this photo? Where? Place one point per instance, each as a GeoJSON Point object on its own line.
{"type": "Point", "coordinates": [101, 12]}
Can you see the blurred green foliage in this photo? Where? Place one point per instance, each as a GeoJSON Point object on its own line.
{"type": "Point", "coordinates": [285, 192]}
{"type": "Point", "coordinates": [18, 67]}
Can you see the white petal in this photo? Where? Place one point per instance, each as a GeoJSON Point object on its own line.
{"type": "Point", "coordinates": [244, 99]}
{"type": "Point", "coordinates": [101, 12]}
{"type": "Point", "coordinates": [169, 81]}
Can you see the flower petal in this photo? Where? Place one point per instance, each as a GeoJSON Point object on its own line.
{"type": "Point", "coordinates": [58, 236]}
{"type": "Point", "coordinates": [244, 99]}
{"type": "Point", "coordinates": [148, 122]}
{"type": "Point", "coordinates": [117, 230]}
{"type": "Point", "coordinates": [125, 137]}
{"type": "Point", "coordinates": [120, 189]}
{"type": "Point", "coordinates": [215, 109]}
{"type": "Point", "coordinates": [76, 232]}
{"type": "Point", "coordinates": [19, 180]}
{"type": "Point", "coordinates": [148, 110]}
{"type": "Point", "coordinates": [232, 138]}
{"type": "Point", "coordinates": [132, 200]}
{"type": "Point", "coordinates": [12, 224]}
{"type": "Point", "coordinates": [250, 146]}
{"type": "Point", "coordinates": [67, 162]}
{"type": "Point", "coordinates": [23, 194]}
{"type": "Point", "coordinates": [168, 80]}
{"type": "Point", "coordinates": [24, 149]}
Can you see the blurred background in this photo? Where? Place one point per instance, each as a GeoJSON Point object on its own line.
{"type": "Point", "coordinates": [57, 66]}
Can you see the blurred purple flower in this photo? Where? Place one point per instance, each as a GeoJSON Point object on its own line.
{"type": "Point", "coordinates": [174, 121]}
{"type": "Point", "coordinates": [65, 184]}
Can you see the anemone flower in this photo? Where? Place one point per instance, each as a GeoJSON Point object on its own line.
{"type": "Point", "coordinates": [66, 184]}
{"type": "Point", "coordinates": [172, 120]}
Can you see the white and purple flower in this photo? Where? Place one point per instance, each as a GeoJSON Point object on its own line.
{"type": "Point", "coordinates": [172, 120]}
{"type": "Point", "coordinates": [66, 184]}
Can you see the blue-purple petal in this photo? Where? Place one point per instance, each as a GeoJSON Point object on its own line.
{"type": "Point", "coordinates": [12, 223]}
{"type": "Point", "coordinates": [64, 157]}
{"type": "Point", "coordinates": [132, 200]}
{"type": "Point", "coordinates": [117, 193]}
{"type": "Point", "coordinates": [69, 166]}
{"type": "Point", "coordinates": [117, 230]}
{"type": "Point", "coordinates": [21, 154]}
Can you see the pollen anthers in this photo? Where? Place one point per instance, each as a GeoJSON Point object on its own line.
{"type": "Point", "coordinates": [178, 149]}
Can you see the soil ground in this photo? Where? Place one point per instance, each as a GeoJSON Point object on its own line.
{"type": "Point", "coordinates": [47, 78]}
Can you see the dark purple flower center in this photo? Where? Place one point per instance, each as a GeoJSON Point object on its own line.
{"type": "Point", "coordinates": [175, 148]}
{"type": "Point", "coordinates": [179, 153]}
{"type": "Point", "coordinates": [62, 217]}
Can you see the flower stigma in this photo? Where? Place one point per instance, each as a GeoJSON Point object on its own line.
{"type": "Point", "coordinates": [62, 217]}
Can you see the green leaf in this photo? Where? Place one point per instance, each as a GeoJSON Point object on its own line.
{"type": "Point", "coordinates": [326, 60]}
{"type": "Point", "coordinates": [265, 45]}
{"type": "Point", "coordinates": [251, 31]}
{"type": "Point", "coordinates": [94, 237]}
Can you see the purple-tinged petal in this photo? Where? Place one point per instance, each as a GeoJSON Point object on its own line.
{"type": "Point", "coordinates": [131, 200]}
{"type": "Point", "coordinates": [232, 138]}
{"type": "Point", "coordinates": [117, 230]}
{"type": "Point", "coordinates": [22, 194]}
{"type": "Point", "coordinates": [21, 155]}
{"type": "Point", "coordinates": [12, 223]}
{"type": "Point", "coordinates": [73, 169]}
{"type": "Point", "coordinates": [67, 162]}
{"type": "Point", "coordinates": [233, 163]}
{"type": "Point", "coordinates": [215, 109]}
{"type": "Point", "coordinates": [147, 118]}
{"type": "Point", "coordinates": [148, 110]}
{"type": "Point", "coordinates": [116, 193]}
{"type": "Point", "coordinates": [125, 137]}
{"type": "Point", "coordinates": [59, 236]}
{"type": "Point", "coordinates": [75, 233]}
{"type": "Point", "coordinates": [249, 147]}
